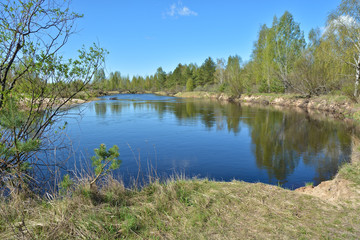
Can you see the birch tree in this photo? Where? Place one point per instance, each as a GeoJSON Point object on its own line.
{"type": "Point", "coordinates": [220, 70]}
{"type": "Point", "coordinates": [344, 27]}
{"type": "Point", "coordinates": [289, 43]}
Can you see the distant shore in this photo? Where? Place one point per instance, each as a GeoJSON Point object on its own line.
{"type": "Point", "coordinates": [337, 105]}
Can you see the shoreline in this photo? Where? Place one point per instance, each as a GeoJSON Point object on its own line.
{"type": "Point", "coordinates": [338, 107]}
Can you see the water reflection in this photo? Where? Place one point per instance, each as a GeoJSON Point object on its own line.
{"type": "Point", "coordinates": [281, 140]}
{"type": "Point", "coordinates": [100, 108]}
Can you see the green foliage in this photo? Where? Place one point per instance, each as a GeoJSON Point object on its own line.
{"type": "Point", "coordinates": [105, 161]}
{"type": "Point", "coordinates": [65, 184]}
{"type": "Point", "coordinates": [11, 121]}
{"type": "Point", "coordinates": [309, 184]}
{"type": "Point", "coordinates": [290, 42]}
{"type": "Point", "coordinates": [208, 72]}
{"type": "Point", "coordinates": [35, 81]}
{"type": "Point", "coordinates": [160, 78]}
{"type": "Point", "coordinates": [343, 33]}
{"type": "Point", "coordinates": [275, 53]}
{"type": "Point", "coordinates": [348, 90]}
{"type": "Point", "coordinates": [10, 116]}
{"type": "Point", "coordinates": [222, 87]}
{"type": "Point", "coordinates": [263, 56]}
{"type": "Point", "coordinates": [233, 75]}
{"type": "Point", "coordinates": [189, 85]}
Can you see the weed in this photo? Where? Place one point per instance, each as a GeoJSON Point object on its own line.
{"type": "Point", "coordinates": [65, 184]}
{"type": "Point", "coordinates": [309, 184]}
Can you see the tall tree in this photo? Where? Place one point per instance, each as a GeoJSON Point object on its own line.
{"type": "Point", "coordinates": [232, 72]}
{"type": "Point", "coordinates": [263, 57]}
{"type": "Point", "coordinates": [289, 43]}
{"type": "Point", "coordinates": [160, 78]}
{"type": "Point", "coordinates": [208, 67]}
{"type": "Point", "coordinates": [344, 26]}
{"type": "Point", "coordinates": [220, 71]}
{"type": "Point", "coordinates": [176, 78]}
{"type": "Point", "coordinates": [115, 80]}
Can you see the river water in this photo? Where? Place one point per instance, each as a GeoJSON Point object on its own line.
{"type": "Point", "coordinates": [163, 136]}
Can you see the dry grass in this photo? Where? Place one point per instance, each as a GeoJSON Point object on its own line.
{"type": "Point", "coordinates": [351, 172]}
{"type": "Point", "coordinates": [179, 209]}
{"type": "Point", "coordinates": [197, 94]}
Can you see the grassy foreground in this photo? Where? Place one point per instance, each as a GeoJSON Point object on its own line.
{"type": "Point", "coordinates": [185, 209]}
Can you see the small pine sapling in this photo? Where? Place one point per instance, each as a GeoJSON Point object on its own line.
{"type": "Point", "coordinates": [65, 184]}
{"type": "Point", "coordinates": [104, 162]}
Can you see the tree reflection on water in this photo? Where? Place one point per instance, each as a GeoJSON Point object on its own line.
{"type": "Point", "coordinates": [281, 139]}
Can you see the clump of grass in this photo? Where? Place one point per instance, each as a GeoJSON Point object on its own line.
{"type": "Point", "coordinates": [356, 116]}
{"type": "Point", "coordinates": [309, 184]}
{"type": "Point", "coordinates": [351, 172]}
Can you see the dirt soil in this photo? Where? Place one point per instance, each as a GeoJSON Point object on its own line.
{"type": "Point", "coordinates": [338, 106]}
{"type": "Point", "coordinates": [335, 191]}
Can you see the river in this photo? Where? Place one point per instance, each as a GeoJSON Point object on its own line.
{"type": "Point", "coordinates": [163, 136]}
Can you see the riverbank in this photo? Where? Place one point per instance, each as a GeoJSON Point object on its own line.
{"type": "Point", "coordinates": [337, 105]}
{"type": "Point", "coordinates": [185, 209]}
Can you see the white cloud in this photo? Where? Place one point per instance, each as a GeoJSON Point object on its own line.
{"type": "Point", "coordinates": [185, 11]}
{"type": "Point", "coordinates": [177, 9]}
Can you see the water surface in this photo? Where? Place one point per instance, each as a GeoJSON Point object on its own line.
{"type": "Point", "coordinates": [220, 141]}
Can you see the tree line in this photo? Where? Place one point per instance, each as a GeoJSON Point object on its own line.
{"type": "Point", "coordinates": [282, 61]}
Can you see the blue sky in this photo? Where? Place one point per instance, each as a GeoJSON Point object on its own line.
{"type": "Point", "coordinates": [142, 35]}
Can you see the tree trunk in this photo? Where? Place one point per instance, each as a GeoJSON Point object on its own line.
{"type": "Point", "coordinates": [357, 77]}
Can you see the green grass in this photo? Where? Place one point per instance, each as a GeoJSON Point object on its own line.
{"type": "Point", "coordinates": [350, 172]}
{"type": "Point", "coordinates": [181, 209]}
{"type": "Point", "coordinates": [309, 184]}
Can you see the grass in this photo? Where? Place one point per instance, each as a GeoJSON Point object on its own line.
{"type": "Point", "coordinates": [351, 172]}
{"type": "Point", "coordinates": [336, 98]}
{"type": "Point", "coordinates": [181, 209]}
{"type": "Point", "coordinates": [275, 95]}
{"type": "Point", "coordinates": [197, 94]}
{"type": "Point", "coordinates": [309, 184]}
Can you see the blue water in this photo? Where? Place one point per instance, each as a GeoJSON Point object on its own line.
{"type": "Point", "coordinates": [198, 138]}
